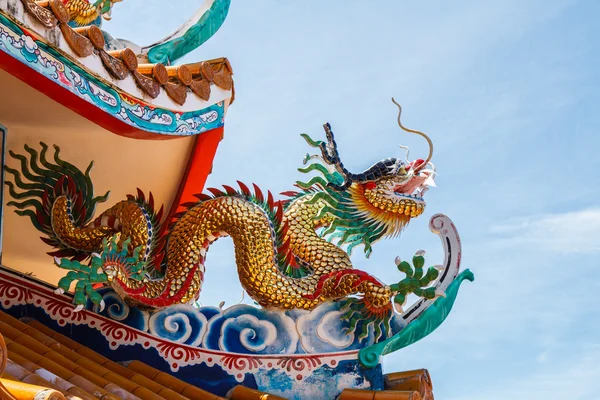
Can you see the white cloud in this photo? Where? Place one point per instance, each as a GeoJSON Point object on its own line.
{"type": "Point", "coordinates": [571, 232]}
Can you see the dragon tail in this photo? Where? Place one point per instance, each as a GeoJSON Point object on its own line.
{"type": "Point", "coordinates": [40, 184]}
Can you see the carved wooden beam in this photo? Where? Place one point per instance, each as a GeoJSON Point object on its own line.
{"type": "Point", "coordinates": [41, 14]}
{"type": "Point", "coordinates": [180, 72]}
{"type": "Point", "coordinates": [113, 65]}
{"type": "Point", "coordinates": [217, 72]}
{"type": "Point", "coordinates": [94, 34]}
{"type": "Point", "coordinates": [129, 59]}
{"type": "Point", "coordinates": [176, 91]}
{"type": "Point", "coordinates": [78, 43]}
{"type": "Point", "coordinates": [203, 76]}
{"type": "Point", "coordinates": [200, 87]}
{"type": "Point", "coordinates": [175, 80]}
{"type": "Point", "coordinates": [222, 78]}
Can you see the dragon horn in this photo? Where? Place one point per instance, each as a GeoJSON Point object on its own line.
{"type": "Point", "coordinates": [418, 133]}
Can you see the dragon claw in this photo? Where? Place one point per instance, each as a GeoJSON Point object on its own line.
{"type": "Point", "coordinates": [356, 312]}
{"type": "Point", "coordinates": [78, 308]}
{"type": "Point", "coordinates": [59, 291]}
{"type": "Point", "coordinates": [102, 305]}
{"type": "Point", "coordinates": [418, 281]}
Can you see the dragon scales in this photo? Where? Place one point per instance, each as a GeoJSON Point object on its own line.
{"type": "Point", "coordinates": [285, 252]}
{"type": "Point", "coordinates": [86, 12]}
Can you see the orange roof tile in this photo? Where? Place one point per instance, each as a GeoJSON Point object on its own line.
{"type": "Point", "coordinates": [357, 394]}
{"type": "Point", "coordinates": [416, 380]}
{"type": "Point", "coordinates": [243, 393]}
{"type": "Point", "coordinates": [37, 362]}
{"type": "Point", "coordinates": [64, 368]}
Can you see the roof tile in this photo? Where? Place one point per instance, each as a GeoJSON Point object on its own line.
{"type": "Point", "coordinates": [26, 391]}
{"type": "Point", "coordinates": [143, 369]}
{"type": "Point", "coordinates": [358, 394]}
{"type": "Point", "coordinates": [169, 381]}
{"type": "Point", "coordinates": [147, 383]}
{"type": "Point", "coordinates": [146, 394]}
{"type": "Point", "coordinates": [47, 359]}
{"type": "Point", "coordinates": [243, 393]}
{"type": "Point", "coordinates": [195, 393]}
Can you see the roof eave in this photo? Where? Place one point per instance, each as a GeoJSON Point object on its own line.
{"type": "Point", "coordinates": [145, 101]}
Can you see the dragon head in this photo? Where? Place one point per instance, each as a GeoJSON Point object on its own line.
{"type": "Point", "coordinates": [104, 7]}
{"type": "Point", "coordinates": [375, 203]}
{"type": "Point", "coordinates": [396, 196]}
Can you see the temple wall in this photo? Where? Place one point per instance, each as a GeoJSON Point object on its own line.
{"type": "Point", "coordinates": [120, 165]}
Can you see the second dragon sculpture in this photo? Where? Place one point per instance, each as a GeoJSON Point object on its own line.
{"type": "Point", "coordinates": [290, 254]}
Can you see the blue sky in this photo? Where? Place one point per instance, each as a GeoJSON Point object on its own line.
{"type": "Point", "coordinates": [508, 91]}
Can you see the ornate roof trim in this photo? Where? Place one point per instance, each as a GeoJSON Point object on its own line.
{"type": "Point", "coordinates": [19, 290]}
{"type": "Point", "coordinates": [134, 99]}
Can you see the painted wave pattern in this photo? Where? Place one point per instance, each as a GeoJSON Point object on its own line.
{"type": "Point", "coordinates": [47, 62]}
{"type": "Point", "coordinates": [243, 328]}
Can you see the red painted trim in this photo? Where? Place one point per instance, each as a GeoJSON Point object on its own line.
{"type": "Point", "coordinates": [198, 168]}
{"type": "Point", "coordinates": [200, 160]}
{"type": "Point", "coordinates": [12, 279]}
{"type": "Point", "coordinates": [73, 102]}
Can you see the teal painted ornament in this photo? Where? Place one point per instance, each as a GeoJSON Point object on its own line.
{"type": "Point", "coordinates": [415, 282]}
{"type": "Point", "coordinates": [191, 35]}
{"type": "Point", "coordinates": [51, 63]}
{"type": "Point", "coordinates": [428, 322]}
{"type": "Point", "coordinates": [113, 259]}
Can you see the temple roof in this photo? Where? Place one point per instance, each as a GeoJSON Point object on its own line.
{"type": "Point", "coordinates": [40, 359]}
{"type": "Point", "coordinates": [111, 85]}
{"type": "Point", "coordinates": [40, 356]}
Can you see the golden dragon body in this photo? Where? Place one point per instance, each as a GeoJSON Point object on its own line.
{"type": "Point", "coordinates": [284, 250]}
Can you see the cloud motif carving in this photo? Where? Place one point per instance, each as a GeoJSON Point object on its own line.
{"type": "Point", "coordinates": [243, 328]}
{"type": "Point", "coordinates": [181, 323]}
{"type": "Point", "coordinates": [246, 329]}
{"type": "Point", "coordinates": [115, 308]}
{"type": "Point", "coordinates": [322, 330]}
{"type": "Point", "coordinates": [253, 334]}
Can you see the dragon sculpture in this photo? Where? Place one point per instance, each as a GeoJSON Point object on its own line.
{"type": "Point", "coordinates": [86, 12]}
{"type": "Point", "coordinates": [201, 26]}
{"type": "Point", "coordinates": [290, 254]}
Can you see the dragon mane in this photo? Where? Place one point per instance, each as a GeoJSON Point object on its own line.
{"type": "Point", "coordinates": [347, 224]}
